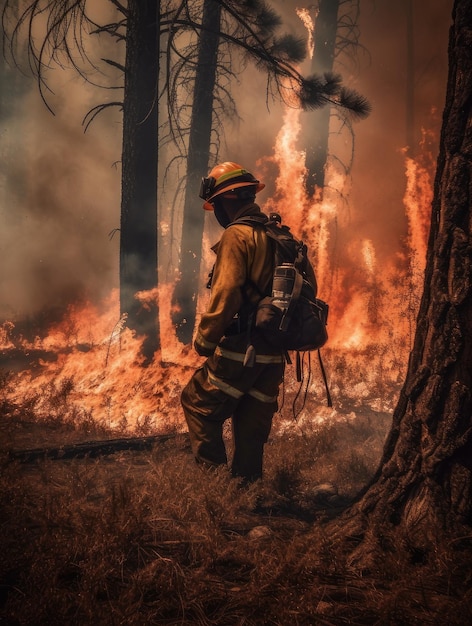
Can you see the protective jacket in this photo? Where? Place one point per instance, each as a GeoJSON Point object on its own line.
{"type": "Point", "coordinates": [241, 276]}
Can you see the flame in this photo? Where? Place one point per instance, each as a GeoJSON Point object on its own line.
{"type": "Point", "coordinates": [290, 163]}
{"type": "Point", "coordinates": [5, 333]}
{"type": "Point", "coordinates": [369, 305]}
{"type": "Point", "coordinates": [417, 201]}
{"type": "Point", "coordinates": [368, 253]}
{"type": "Point", "coordinates": [372, 311]}
{"type": "Point", "coordinates": [94, 350]}
{"type": "Point", "coordinates": [304, 15]}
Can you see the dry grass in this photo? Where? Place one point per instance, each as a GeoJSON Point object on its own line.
{"type": "Point", "coordinates": [150, 538]}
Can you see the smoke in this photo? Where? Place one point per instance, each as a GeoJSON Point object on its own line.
{"type": "Point", "coordinates": [59, 195]}
{"type": "Point", "coordinates": [60, 189]}
{"type": "Point", "coordinates": [373, 207]}
{"type": "Point", "coordinates": [378, 175]}
{"type": "Point", "coordinates": [365, 246]}
{"type": "Point", "coordinates": [60, 202]}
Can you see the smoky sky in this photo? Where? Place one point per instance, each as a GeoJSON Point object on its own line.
{"type": "Point", "coordinates": [59, 194]}
{"type": "Point", "coordinates": [60, 187]}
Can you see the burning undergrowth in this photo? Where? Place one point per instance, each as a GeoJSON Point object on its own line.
{"type": "Point", "coordinates": [89, 367]}
{"type": "Point", "coordinates": [90, 364]}
{"type": "Point", "coordinates": [143, 538]}
{"type": "Point", "coordinates": [87, 363]}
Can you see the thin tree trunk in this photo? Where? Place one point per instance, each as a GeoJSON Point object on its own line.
{"type": "Point", "coordinates": [186, 291]}
{"type": "Point", "coordinates": [410, 80]}
{"type": "Point", "coordinates": [423, 487]}
{"type": "Point", "coordinates": [317, 131]}
{"type": "Point", "coordinates": [138, 244]}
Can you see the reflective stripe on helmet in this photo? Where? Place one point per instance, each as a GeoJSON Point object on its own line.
{"type": "Point", "coordinates": [228, 175]}
{"type": "Point", "coordinates": [225, 178]}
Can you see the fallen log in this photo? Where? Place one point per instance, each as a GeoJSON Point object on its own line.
{"type": "Point", "coordinates": [91, 449]}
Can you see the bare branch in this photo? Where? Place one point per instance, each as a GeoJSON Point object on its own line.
{"type": "Point", "coordinates": [122, 9]}
{"type": "Point", "coordinates": [92, 114]}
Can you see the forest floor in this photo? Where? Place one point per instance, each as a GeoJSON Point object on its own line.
{"type": "Point", "coordinates": [147, 537]}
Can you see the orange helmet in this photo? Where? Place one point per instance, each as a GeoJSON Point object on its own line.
{"type": "Point", "coordinates": [224, 178]}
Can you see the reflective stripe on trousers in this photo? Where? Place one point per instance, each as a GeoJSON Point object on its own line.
{"type": "Point", "coordinates": [239, 357]}
{"type": "Point", "coordinates": [236, 393]}
{"type": "Point", "coordinates": [223, 388]}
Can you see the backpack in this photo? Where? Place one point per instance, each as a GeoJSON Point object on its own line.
{"type": "Point", "coordinates": [292, 317]}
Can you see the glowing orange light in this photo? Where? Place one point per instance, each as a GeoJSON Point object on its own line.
{"type": "Point", "coordinates": [371, 305]}
{"type": "Point", "coordinates": [304, 15]}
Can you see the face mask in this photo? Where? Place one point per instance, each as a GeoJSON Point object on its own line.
{"type": "Point", "coordinates": [221, 216]}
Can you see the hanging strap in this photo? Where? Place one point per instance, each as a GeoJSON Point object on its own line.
{"type": "Point", "coordinates": [323, 373]}
{"type": "Point", "coordinates": [299, 374]}
{"type": "Point", "coordinates": [298, 367]}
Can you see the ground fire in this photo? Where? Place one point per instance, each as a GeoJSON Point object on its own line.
{"type": "Point", "coordinates": [91, 357]}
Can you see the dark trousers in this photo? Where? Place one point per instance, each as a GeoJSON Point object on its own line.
{"type": "Point", "coordinates": [223, 388]}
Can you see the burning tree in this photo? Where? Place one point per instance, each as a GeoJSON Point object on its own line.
{"type": "Point", "coordinates": [208, 64]}
{"type": "Point", "coordinates": [228, 31]}
{"type": "Point", "coordinates": [422, 490]}
{"type": "Point", "coordinates": [138, 228]}
{"type": "Point", "coordinates": [325, 29]}
{"type": "Point", "coordinates": [333, 25]}
{"type": "Point", "coordinates": [249, 27]}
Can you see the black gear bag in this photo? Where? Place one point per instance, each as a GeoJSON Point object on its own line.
{"type": "Point", "coordinates": [292, 317]}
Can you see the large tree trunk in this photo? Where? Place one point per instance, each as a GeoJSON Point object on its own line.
{"type": "Point", "coordinates": [186, 290]}
{"type": "Point", "coordinates": [138, 243]}
{"type": "Point", "coordinates": [317, 131]}
{"type": "Point", "coordinates": [423, 487]}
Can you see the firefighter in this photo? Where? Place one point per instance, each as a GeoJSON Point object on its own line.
{"type": "Point", "coordinates": [241, 376]}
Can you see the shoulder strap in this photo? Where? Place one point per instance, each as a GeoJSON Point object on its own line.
{"type": "Point", "coordinates": [252, 295]}
{"type": "Point", "coordinates": [286, 248]}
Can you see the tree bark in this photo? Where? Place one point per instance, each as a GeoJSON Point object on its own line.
{"type": "Point", "coordinates": [138, 243]}
{"type": "Point", "coordinates": [186, 290]}
{"type": "Point", "coordinates": [423, 487]}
